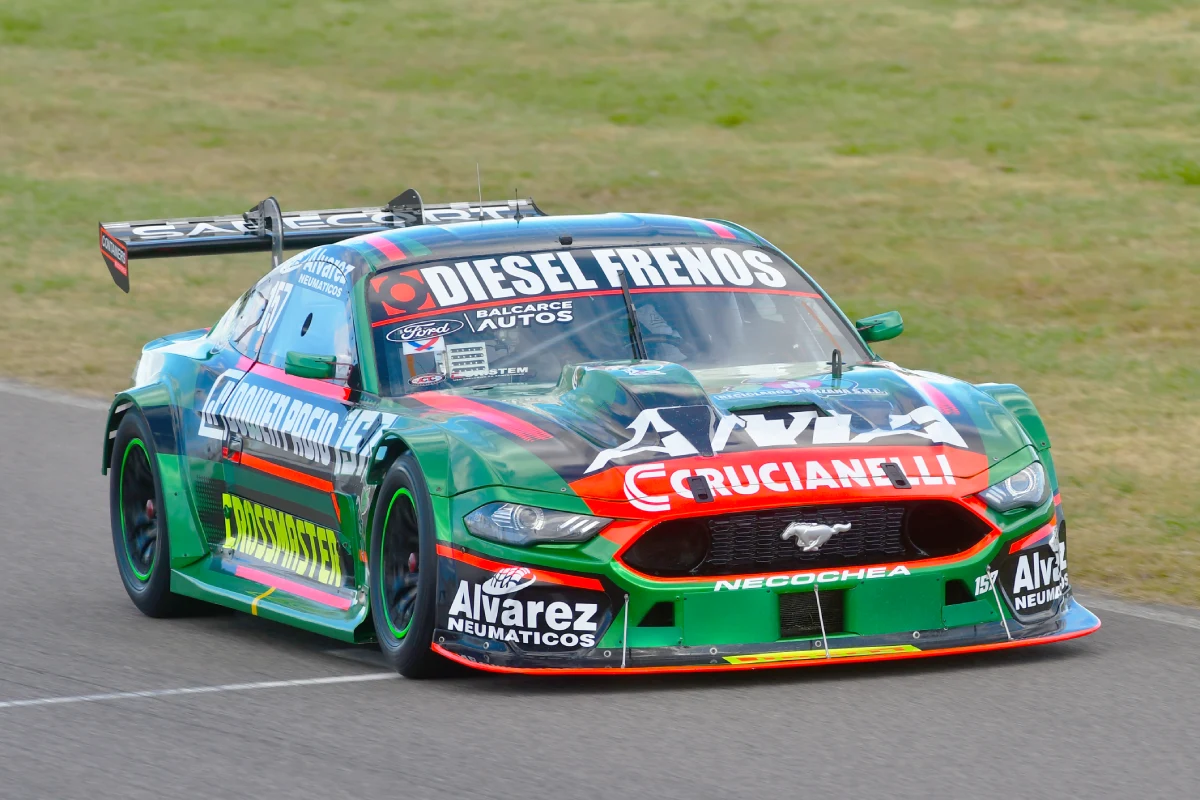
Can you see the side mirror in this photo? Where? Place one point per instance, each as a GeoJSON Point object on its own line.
{"type": "Point", "coordinates": [306, 365]}
{"type": "Point", "coordinates": [880, 327]}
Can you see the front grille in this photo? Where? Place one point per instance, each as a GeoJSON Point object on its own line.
{"type": "Point", "coordinates": [752, 542]}
{"type": "Point", "coordinates": [798, 614]}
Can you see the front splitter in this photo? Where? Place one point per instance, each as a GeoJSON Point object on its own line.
{"type": "Point", "coordinates": [1075, 621]}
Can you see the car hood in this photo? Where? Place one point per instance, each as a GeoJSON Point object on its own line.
{"type": "Point", "coordinates": [603, 420]}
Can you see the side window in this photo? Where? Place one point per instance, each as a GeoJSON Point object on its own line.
{"type": "Point", "coordinates": [244, 322]}
{"type": "Point", "coordinates": [308, 321]}
{"type": "Point", "coordinates": [222, 332]}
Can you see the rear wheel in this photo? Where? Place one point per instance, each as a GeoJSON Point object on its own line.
{"type": "Point", "coordinates": [139, 529]}
{"type": "Point", "coordinates": [403, 572]}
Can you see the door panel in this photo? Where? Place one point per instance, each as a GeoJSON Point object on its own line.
{"type": "Point", "coordinates": [283, 519]}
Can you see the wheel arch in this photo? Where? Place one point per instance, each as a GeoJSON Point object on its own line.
{"type": "Point", "coordinates": [429, 446]}
{"type": "Point", "coordinates": [156, 405]}
{"type": "Point", "coordinates": [158, 408]}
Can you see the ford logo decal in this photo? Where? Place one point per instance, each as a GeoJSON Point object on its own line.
{"type": "Point", "coordinates": [426, 329]}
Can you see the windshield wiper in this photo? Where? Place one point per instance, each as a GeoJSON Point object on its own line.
{"type": "Point", "coordinates": [635, 330]}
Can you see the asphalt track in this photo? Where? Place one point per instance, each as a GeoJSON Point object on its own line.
{"type": "Point", "coordinates": [266, 712]}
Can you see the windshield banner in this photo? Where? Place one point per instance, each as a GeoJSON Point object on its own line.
{"type": "Point", "coordinates": [422, 291]}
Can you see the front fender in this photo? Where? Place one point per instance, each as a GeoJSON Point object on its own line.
{"type": "Point", "coordinates": [1017, 403]}
{"type": "Point", "coordinates": [158, 406]}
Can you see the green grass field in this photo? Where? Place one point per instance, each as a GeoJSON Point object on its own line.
{"type": "Point", "coordinates": [1020, 179]}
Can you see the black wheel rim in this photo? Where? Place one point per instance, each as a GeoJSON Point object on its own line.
{"type": "Point", "coordinates": [139, 512]}
{"type": "Point", "coordinates": [400, 550]}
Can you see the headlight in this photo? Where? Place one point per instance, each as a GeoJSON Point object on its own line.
{"type": "Point", "coordinates": [1024, 489]}
{"type": "Point", "coordinates": [510, 523]}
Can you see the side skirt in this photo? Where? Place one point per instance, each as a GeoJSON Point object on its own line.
{"type": "Point", "coordinates": [271, 602]}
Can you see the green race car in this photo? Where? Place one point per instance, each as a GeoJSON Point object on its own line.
{"type": "Point", "coordinates": [592, 444]}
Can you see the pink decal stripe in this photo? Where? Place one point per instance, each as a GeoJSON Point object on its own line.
{"type": "Point", "coordinates": [719, 229]}
{"type": "Point", "coordinates": [323, 388]}
{"type": "Point", "coordinates": [473, 408]}
{"type": "Point", "coordinates": [293, 587]}
{"type": "Point", "coordinates": [385, 246]}
{"type": "Point", "coordinates": [935, 396]}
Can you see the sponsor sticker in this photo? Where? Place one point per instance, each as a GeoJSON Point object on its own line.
{"type": "Point", "coordinates": [809, 578]}
{"type": "Point", "coordinates": [418, 347]}
{"type": "Point", "coordinates": [653, 487]}
{"type": "Point", "coordinates": [1036, 579]}
{"type": "Point", "coordinates": [424, 330]}
{"type": "Point", "coordinates": [507, 581]}
{"type": "Point", "coordinates": [115, 249]}
{"type": "Point", "coordinates": [678, 431]}
{"type": "Point", "coordinates": [519, 278]}
{"type": "Point", "coordinates": [498, 372]}
{"type": "Point", "coordinates": [809, 655]}
{"type": "Point", "coordinates": [428, 379]}
{"type": "Point", "coordinates": [634, 369]}
{"type": "Point", "coordinates": [270, 536]}
{"type": "Point", "coordinates": [523, 315]}
{"type": "Point", "coordinates": [511, 605]}
{"type": "Point", "coordinates": [299, 423]}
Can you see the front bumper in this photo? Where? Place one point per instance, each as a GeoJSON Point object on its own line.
{"type": "Point", "coordinates": [522, 617]}
{"type": "Point", "coordinates": [1074, 621]}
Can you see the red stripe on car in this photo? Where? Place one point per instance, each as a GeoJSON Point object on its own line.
{"type": "Point", "coordinates": [286, 473]}
{"type": "Point", "coordinates": [545, 577]}
{"type": "Point", "coordinates": [1033, 538]}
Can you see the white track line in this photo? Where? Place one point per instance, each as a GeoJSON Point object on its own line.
{"type": "Point", "coordinates": [228, 687]}
{"type": "Point", "coordinates": [46, 395]}
{"type": "Point", "coordinates": [1140, 611]}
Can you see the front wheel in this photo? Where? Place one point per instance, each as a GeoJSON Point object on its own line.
{"type": "Point", "coordinates": [139, 529]}
{"type": "Point", "coordinates": [403, 572]}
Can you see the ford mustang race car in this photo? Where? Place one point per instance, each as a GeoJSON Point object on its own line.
{"type": "Point", "coordinates": [616, 443]}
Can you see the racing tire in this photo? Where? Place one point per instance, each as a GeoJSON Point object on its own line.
{"type": "Point", "coordinates": [403, 572]}
{"type": "Point", "coordinates": [139, 527]}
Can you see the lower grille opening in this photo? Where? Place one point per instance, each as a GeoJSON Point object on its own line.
{"type": "Point", "coordinates": [835, 536]}
{"type": "Point", "coordinates": [677, 547]}
{"type": "Point", "coordinates": [957, 593]}
{"type": "Point", "coordinates": [798, 614]}
{"type": "Point", "coordinates": [936, 529]}
{"type": "Point", "coordinates": [660, 615]}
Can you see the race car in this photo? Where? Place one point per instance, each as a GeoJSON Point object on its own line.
{"type": "Point", "coordinates": [613, 443]}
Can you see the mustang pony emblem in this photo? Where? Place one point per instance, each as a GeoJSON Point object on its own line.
{"type": "Point", "coordinates": [810, 535]}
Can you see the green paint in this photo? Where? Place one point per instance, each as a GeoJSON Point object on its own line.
{"type": "Point", "coordinates": [204, 583]}
{"type": "Point", "coordinates": [187, 543]}
{"type": "Point", "coordinates": [716, 618]}
{"type": "Point", "coordinates": [901, 604]}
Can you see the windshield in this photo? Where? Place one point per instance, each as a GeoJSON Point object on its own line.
{"type": "Point", "coordinates": [522, 317]}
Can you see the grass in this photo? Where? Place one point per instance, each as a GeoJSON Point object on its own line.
{"type": "Point", "coordinates": [1020, 179]}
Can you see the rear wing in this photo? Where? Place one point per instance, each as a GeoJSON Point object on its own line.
{"type": "Point", "coordinates": [266, 228]}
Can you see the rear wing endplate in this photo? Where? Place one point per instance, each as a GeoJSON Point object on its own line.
{"type": "Point", "coordinates": [266, 228]}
